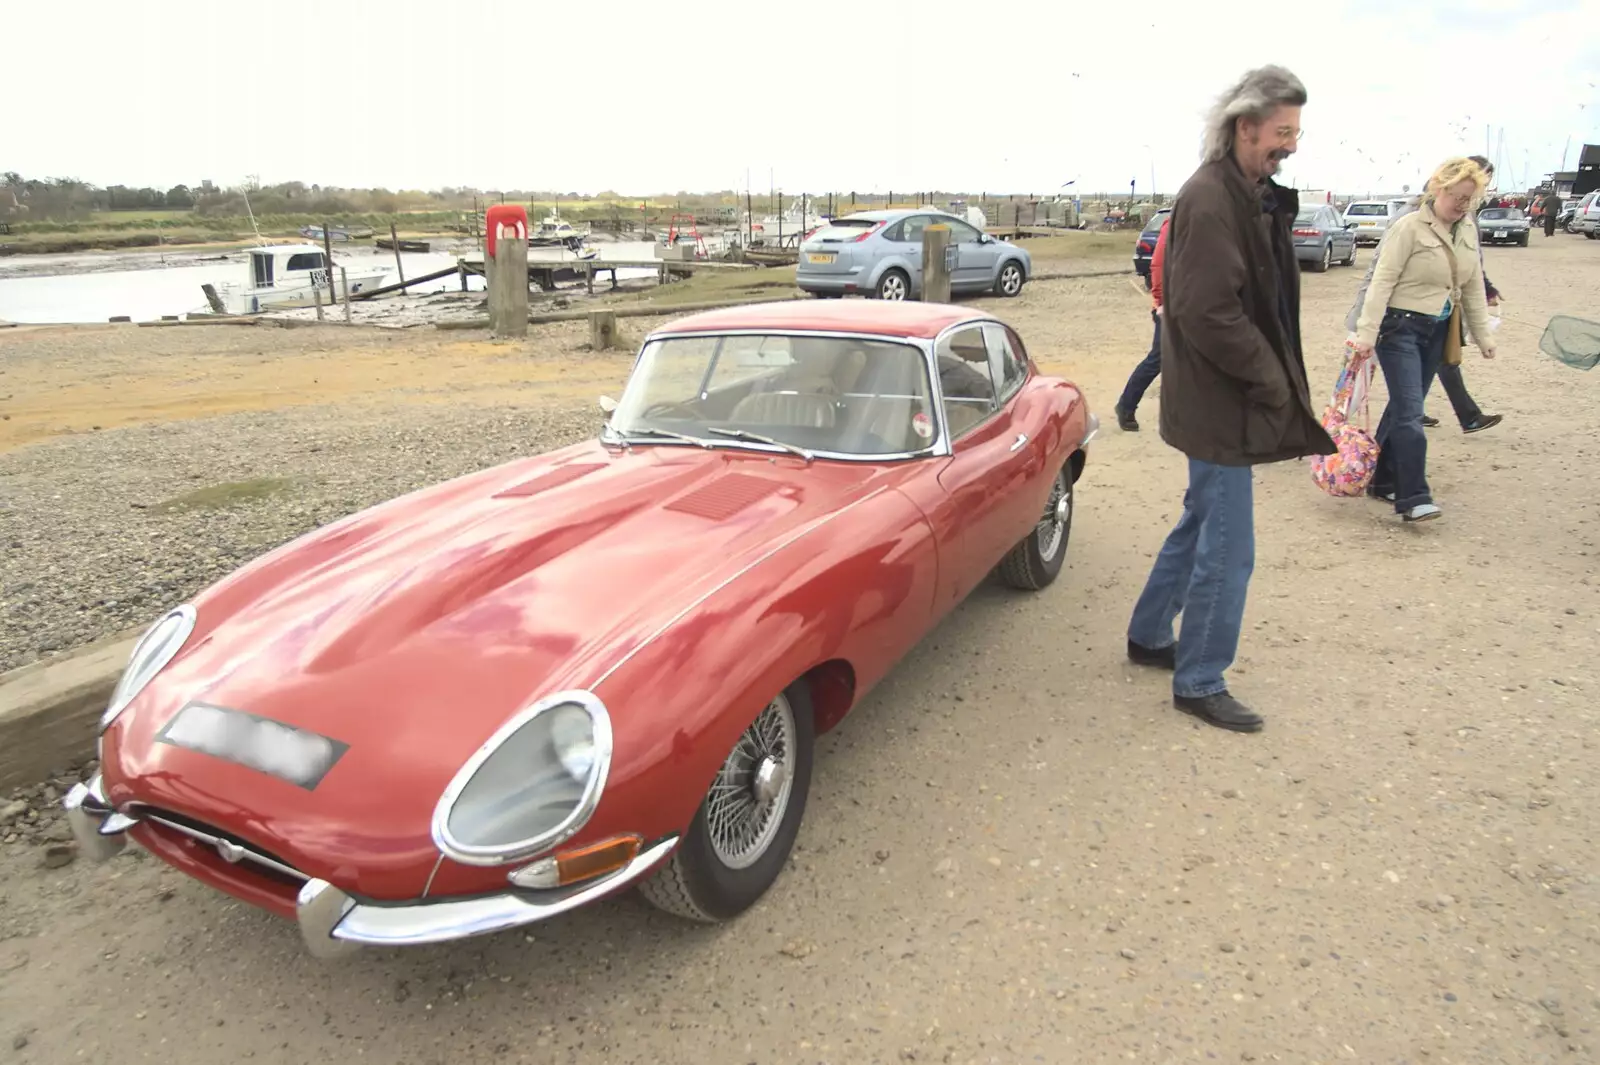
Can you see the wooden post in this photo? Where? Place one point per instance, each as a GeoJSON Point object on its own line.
{"type": "Point", "coordinates": [461, 268]}
{"type": "Point", "coordinates": [508, 285]}
{"type": "Point", "coordinates": [603, 330]}
{"type": "Point", "coordinates": [327, 253]}
{"type": "Point", "coordinates": [588, 276]}
{"type": "Point", "coordinates": [344, 286]}
{"type": "Point", "coordinates": [935, 274]}
{"type": "Point", "coordinates": [398, 265]}
{"type": "Point", "coordinates": [316, 295]}
{"type": "Point", "coordinates": [212, 298]}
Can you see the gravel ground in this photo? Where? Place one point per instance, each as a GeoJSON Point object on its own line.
{"type": "Point", "coordinates": [1015, 850]}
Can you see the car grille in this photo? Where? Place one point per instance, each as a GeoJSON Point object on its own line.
{"type": "Point", "coordinates": [230, 847]}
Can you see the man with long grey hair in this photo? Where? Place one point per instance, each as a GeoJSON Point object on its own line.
{"type": "Point", "coordinates": [1234, 392]}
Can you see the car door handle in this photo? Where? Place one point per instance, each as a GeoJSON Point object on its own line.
{"type": "Point", "coordinates": [1022, 438]}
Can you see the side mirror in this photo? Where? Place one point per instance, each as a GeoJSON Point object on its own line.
{"type": "Point", "coordinates": [608, 404]}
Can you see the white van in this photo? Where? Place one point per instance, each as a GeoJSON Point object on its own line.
{"type": "Point", "coordinates": [1371, 218]}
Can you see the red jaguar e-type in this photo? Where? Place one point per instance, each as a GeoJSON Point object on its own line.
{"type": "Point", "coordinates": [505, 696]}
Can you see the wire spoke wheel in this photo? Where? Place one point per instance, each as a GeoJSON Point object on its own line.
{"type": "Point", "coordinates": [1052, 527]}
{"type": "Point", "coordinates": [751, 792]}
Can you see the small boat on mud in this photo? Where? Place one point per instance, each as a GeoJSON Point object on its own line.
{"type": "Point", "coordinates": [285, 274]}
{"type": "Point", "coordinates": [405, 245]}
{"type": "Point", "coordinates": [554, 232]}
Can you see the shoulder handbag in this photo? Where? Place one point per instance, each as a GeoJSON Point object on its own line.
{"type": "Point", "coordinates": [1452, 339]}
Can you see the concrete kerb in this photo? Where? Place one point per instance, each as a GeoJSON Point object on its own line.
{"type": "Point", "coordinates": [48, 709]}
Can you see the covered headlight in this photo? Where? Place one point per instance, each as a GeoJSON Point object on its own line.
{"type": "Point", "coordinates": [160, 643]}
{"type": "Point", "coordinates": [531, 786]}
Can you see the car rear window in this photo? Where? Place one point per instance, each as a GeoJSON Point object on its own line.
{"type": "Point", "coordinates": [1306, 216]}
{"type": "Point", "coordinates": [1367, 209]}
{"type": "Point", "coordinates": [844, 229]}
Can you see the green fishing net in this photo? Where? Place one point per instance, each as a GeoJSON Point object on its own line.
{"type": "Point", "coordinates": [1574, 341]}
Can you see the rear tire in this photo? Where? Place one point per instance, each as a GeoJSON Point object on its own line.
{"type": "Point", "coordinates": [893, 285]}
{"type": "Point", "coordinates": [1035, 562]}
{"type": "Point", "coordinates": [720, 869]}
{"type": "Point", "coordinates": [1322, 264]}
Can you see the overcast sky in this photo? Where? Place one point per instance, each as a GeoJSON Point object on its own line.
{"type": "Point", "coordinates": [643, 98]}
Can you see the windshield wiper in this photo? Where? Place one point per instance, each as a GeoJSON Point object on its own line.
{"type": "Point", "coordinates": [745, 434]}
{"type": "Point", "coordinates": [669, 434]}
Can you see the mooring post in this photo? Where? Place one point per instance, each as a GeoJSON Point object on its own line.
{"type": "Point", "coordinates": [935, 264]}
{"type": "Point", "coordinates": [344, 287]}
{"type": "Point", "coordinates": [327, 252]}
{"type": "Point", "coordinates": [506, 232]}
{"type": "Point", "coordinates": [602, 330]}
{"type": "Point", "coordinates": [398, 265]}
{"type": "Point", "coordinates": [316, 294]}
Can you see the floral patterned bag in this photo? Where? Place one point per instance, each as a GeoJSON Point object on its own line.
{"type": "Point", "coordinates": [1349, 470]}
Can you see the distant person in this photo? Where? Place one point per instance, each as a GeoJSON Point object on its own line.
{"type": "Point", "coordinates": [1234, 391]}
{"type": "Point", "coordinates": [1552, 208]}
{"type": "Point", "coordinates": [1427, 264]}
{"type": "Point", "coordinates": [1150, 367]}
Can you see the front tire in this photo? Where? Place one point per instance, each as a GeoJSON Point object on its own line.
{"type": "Point", "coordinates": [1035, 561]}
{"type": "Point", "coordinates": [1009, 283]}
{"type": "Point", "coordinates": [893, 285]}
{"type": "Point", "coordinates": [1350, 260]}
{"type": "Point", "coordinates": [746, 825]}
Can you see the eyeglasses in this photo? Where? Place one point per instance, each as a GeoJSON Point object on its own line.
{"type": "Point", "coordinates": [1289, 132]}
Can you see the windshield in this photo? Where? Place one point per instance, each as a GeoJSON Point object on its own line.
{"type": "Point", "coordinates": [845, 395]}
{"type": "Point", "coordinates": [1367, 208]}
{"type": "Point", "coordinates": [1500, 212]}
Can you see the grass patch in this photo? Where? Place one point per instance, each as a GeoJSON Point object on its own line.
{"type": "Point", "coordinates": [227, 494]}
{"type": "Point", "coordinates": [706, 285]}
{"type": "Point", "coordinates": [1091, 249]}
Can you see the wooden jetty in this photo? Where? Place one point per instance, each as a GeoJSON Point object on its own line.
{"type": "Point", "coordinates": [546, 272]}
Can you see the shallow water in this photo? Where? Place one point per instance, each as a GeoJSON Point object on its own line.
{"type": "Point", "coordinates": [147, 294]}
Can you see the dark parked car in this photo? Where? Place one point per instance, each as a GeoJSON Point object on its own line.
{"type": "Point", "coordinates": [1503, 225]}
{"type": "Point", "coordinates": [1146, 247]}
{"type": "Point", "coordinates": [1322, 237]}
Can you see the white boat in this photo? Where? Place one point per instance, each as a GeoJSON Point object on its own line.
{"type": "Point", "coordinates": [282, 274]}
{"type": "Point", "coordinates": [555, 232]}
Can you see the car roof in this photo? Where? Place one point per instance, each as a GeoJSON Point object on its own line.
{"type": "Point", "coordinates": [892, 318]}
{"type": "Point", "coordinates": [891, 213]}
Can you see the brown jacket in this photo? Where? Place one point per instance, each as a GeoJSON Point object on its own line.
{"type": "Point", "coordinates": [1233, 380]}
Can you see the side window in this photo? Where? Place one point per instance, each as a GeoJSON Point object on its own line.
{"type": "Point", "coordinates": [1006, 365]}
{"type": "Point", "coordinates": [965, 379]}
{"type": "Point", "coordinates": [911, 229]}
{"type": "Point", "coordinates": [960, 232]}
{"type": "Point", "coordinates": [305, 261]}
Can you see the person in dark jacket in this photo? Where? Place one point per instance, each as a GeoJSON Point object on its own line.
{"type": "Point", "coordinates": [1149, 367]}
{"type": "Point", "coordinates": [1234, 390]}
{"type": "Point", "coordinates": [1552, 209]}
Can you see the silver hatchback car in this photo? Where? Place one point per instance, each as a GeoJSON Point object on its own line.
{"type": "Point", "coordinates": [879, 254]}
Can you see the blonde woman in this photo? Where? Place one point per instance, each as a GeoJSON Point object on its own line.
{"type": "Point", "coordinates": [1405, 320]}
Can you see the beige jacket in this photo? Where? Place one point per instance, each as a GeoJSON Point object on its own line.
{"type": "Point", "coordinates": [1413, 274]}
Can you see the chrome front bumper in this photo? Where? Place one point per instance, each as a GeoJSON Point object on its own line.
{"type": "Point", "coordinates": [334, 923]}
{"type": "Point", "coordinates": [1092, 430]}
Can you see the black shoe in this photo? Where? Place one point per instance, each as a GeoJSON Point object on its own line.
{"type": "Point", "coordinates": [1429, 422]}
{"type": "Point", "coordinates": [1126, 421]}
{"type": "Point", "coordinates": [1161, 657]}
{"type": "Point", "coordinates": [1486, 421]}
{"type": "Point", "coordinates": [1221, 710]}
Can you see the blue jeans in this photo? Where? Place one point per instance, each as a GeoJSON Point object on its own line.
{"type": "Point", "coordinates": [1143, 374]}
{"type": "Point", "coordinates": [1410, 348]}
{"type": "Point", "coordinates": [1203, 572]}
